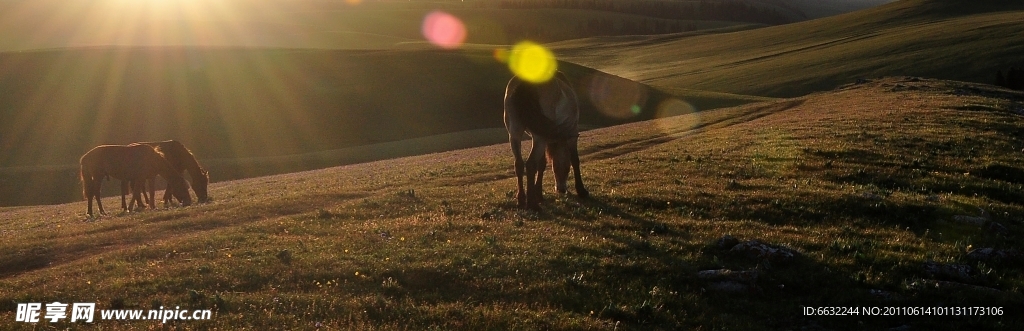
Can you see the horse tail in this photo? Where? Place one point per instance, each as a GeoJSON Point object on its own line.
{"type": "Point", "coordinates": [81, 177]}
{"type": "Point", "coordinates": [86, 167]}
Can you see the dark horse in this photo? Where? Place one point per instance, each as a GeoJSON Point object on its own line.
{"type": "Point", "coordinates": [181, 159]}
{"type": "Point", "coordinates": [134, 163]}
{"type": "Point", "coordinates": [550, 112]}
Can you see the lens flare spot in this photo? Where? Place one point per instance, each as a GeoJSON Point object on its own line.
{"type": "Point", "coordinates": [684, 116]}
{"type": "Point", "coordinates": [532, 62]}
{"type": "Point", "coordinates": [444, 30]}
{"type": "Point", "coordinates": [353, 2]}
{"type": "Point", "coordinates": [616, 97]}
{"type": "Point", "coordinates": [501, 55]}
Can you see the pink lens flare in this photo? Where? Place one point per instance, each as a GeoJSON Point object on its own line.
{"type": "Point", "coordinates": [444, 30]}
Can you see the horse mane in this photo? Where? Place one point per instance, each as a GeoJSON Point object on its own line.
{"type": "Point", "coordinates": [166, 169]}
{"type": "Point", "coordinates": [526, 99]}
{"type": "Point", "coordinates": [186, 160]}
{"type": "Point", "coordinates": [181, 158]}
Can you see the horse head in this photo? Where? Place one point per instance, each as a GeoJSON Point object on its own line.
{"type": "Point", "coordinates": [202, 181]}
{"type": "Point", "coordinates": [178, 187]}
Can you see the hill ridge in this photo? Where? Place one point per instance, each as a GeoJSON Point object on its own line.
{"type": "Point", "coordinates": [949, 40]}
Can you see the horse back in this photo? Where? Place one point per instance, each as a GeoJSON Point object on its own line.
{"type": "Point", "coordinates": [121, 161]}
{"type": "Point", "coordinates": [172, 150]}
{"type": "Point", "coordinates": [549, 110]}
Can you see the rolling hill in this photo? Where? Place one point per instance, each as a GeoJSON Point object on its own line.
{"type": "Point", "coordinates": [241, 104]}
{"type": "Point", "coordinates": [275, 110]}
{"type": "Point", "coordinates": [249, 109]}
{"type": "Point", "coordinates": [880, 194]}
{"type": "Point", "coordinates": [44, 24]}
{"type": "Point", "coordinates": [270, 87]}
{"type": "Point", "coordinates": [900, 192]}
{"type": "Point", "coordinates": [959, 40]}
{"type": "Point", "coordinates": [818, 9]}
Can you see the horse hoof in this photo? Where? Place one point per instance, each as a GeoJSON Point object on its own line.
{"type": "Point", "coordinates": [583, 193]}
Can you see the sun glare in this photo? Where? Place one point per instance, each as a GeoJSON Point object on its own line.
{"type": "Point", "coordinates": [532, 62]}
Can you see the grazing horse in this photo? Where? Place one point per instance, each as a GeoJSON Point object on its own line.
{"type": "Point", "coordinates": [130, 164]}
{"type": "Point", "coordinates": [181, 159]}
{"type": "Point", "coordinates": [550, 112]}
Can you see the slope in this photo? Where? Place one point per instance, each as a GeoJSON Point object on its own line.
{"type": "Point", "coordinates": [243, 103]}
{"type": "Point", "coordinates": [962, 40]}
{"type": "Point", "coordinates": [44, 24]}
{"type": "Point", "coordinates": [876, 188]}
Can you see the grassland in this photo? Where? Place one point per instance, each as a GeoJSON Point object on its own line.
{"type": "Point", "coordinates": [884, 192]}
{"type": "Point", "coordinates": [866, 184]}
{"type": "Point", "coordinates": [45, 24]}
{"type": "Point", "coordinates": [269, 103]}
{"type": "Point", "coordinates": [259, 111]}
{"type": "Point", "coordinates": [959, 40]}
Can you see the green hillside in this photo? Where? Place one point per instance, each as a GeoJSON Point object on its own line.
{"type": "Point", "coordinates": [881, 194]}
{"type": "Point", "coordinates": [43, 24]}
{"type": "Point", "coordinates": [961, 40]}
{"type": "Point", "coordinates": [300, 105]}
{"type": "Point", "coordinates": [237, 103]}
{"type": "Point", "coordinates": [818, 9]}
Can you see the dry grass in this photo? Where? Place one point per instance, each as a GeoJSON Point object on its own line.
{"type": "Point", "coordinates": [957, 40]}
{"type": "Point", "coordinates": [863, 182]}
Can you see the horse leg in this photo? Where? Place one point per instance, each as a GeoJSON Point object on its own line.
{"type": "Point", "coordinates": [97, 192]}
{"type": "Point", "coordinates": [574, 157]}
{"type": "Point", "coordinates": [534, 173]}
{"type": "Point", "coordinates": [542, 164]}
{"type": "Point", "coordinates": [517, 144]}
{"type": "Point", "coordinates": [124, 190]}
{"type": "Point", "coordinates": [132, 205]}
{"type": "Point", "coordinates": [143, 200]}
{"type": "Point", "coordinates": [152, 193]}
{"type": "Point", "coordinates": [167, 193]}
{"type": "Point", "coordinates": [87, 184]}
{"type": "Point", "coordinates": [138, 192]}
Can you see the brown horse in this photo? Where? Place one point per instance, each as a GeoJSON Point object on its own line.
{"type": "Point", "coordinates": [134, 163]}
{"type": "Point", "coordinates": [181, 159]}
{"type": "Point", "coordinates": [550, 112]}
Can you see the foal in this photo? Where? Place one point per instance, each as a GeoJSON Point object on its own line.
{"type": "Point", "coordinates": [550, 112]}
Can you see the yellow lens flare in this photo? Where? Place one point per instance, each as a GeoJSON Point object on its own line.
{"type": "Point", "coordinates": [532, 62]}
